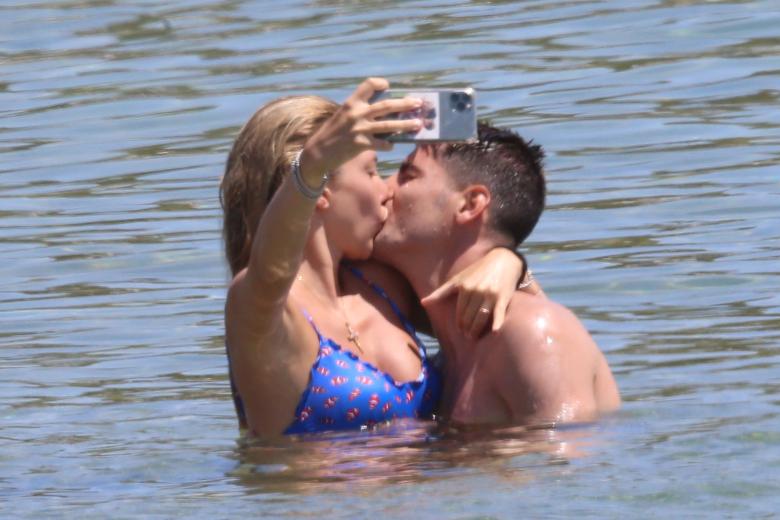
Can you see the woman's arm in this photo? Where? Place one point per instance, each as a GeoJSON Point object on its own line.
{"type": "Point", "coordinates": [484, 290]}
{"type": "Point", "coordinates": [277, 247]}
{"type": "Point", "coordinates": [487, 283]}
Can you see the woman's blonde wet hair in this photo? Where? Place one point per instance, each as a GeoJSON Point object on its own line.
{"type": "Point", "coordinates": [257, 164]}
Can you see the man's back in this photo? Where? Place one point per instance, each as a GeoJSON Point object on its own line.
{"type": "Point", "coordinates": [541, 366]}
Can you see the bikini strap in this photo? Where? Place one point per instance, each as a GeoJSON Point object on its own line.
{"type": "Point", "coordinates": [401, 316]}
{"type": "Point", "coordinates": [320, 337]}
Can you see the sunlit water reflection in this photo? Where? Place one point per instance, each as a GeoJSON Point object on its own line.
{"type": "Point", "coordinates": [662, 125]}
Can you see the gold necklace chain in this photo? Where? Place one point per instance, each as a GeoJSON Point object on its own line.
{"type": "Point", "coordinates": [352, 335]}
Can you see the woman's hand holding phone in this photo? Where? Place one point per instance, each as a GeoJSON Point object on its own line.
{"type": "Point", "coordinates": [448, 115]}
{"type": "Point", "coordinates": [354, 128]}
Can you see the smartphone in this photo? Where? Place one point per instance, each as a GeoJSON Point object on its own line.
{"type": "Point", "coordinates": [447, 115]}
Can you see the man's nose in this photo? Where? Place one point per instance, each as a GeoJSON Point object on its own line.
{"type": "Point", "coordinates": [390, 186]}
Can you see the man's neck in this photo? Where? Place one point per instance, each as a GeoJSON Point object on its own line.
{"type": "Point", "coordinates": [428, 269]}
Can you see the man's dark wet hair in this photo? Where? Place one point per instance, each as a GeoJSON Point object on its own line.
{"type": "Point", "coordinates": [510, 167]}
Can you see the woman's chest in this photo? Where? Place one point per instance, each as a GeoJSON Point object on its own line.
{"type": "Point", "coordinates": [389, 347]}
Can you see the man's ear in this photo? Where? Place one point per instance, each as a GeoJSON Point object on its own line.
{"type": "Point", "coordinates": [473, 203]}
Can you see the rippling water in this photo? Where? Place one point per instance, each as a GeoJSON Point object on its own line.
{"type": "Point", "coordinates": [662, 124]}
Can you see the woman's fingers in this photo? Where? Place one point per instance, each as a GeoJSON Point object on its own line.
{"type": "Point", "coordinates": [479, 324]}
{"type": "Point", "coordinates": [354, 129]}
{"type": "Point", "coordinates": [475, 310]}
{"type": "Point", "coordinates": [368, 88]}
{"type": "Point", "coordinates": [440, 292]}
{"type": "Point", "coordinates": [363, 117]}
{"type": "Point", "coordinates": [383, 108]}
{"type": "Point", "coordinates": [474, 307]}
{"type": "Point", "coordinates": [393, 106]}
{"type": "Point", "coordinates": [499, 313]}
{"type": "Point", "coordinates": [466, 309]}
{"type": "Point", "coordinates": [390, 126]}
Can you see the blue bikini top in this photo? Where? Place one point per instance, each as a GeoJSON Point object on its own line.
{"type": "Point", "coordinates": [345, 392]}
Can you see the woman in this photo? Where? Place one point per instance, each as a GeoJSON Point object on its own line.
{"type": "Point", "coordinates": [312, 344]}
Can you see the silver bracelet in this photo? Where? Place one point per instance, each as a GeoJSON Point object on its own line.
{"type": "Point", "coordinates": [303, 188]}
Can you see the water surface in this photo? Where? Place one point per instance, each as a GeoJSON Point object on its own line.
{"type": "Point", "coordinates": [662, 125]}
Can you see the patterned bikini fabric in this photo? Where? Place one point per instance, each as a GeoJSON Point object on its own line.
{"type": "Point", "coordinates": [347, 393]}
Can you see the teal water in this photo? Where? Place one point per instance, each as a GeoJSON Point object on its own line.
{"type": "Point", "coordinates": [662, 124]}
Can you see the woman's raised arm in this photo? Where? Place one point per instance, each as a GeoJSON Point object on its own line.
{"type": "Point", "coordinates": [279, 240]}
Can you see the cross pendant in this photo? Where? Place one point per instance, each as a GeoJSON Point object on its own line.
{"type": "Point", "coordinates": [353, 337]}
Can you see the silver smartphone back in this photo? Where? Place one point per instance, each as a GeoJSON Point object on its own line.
{"type": "Point", "coordinates": [447, 115]}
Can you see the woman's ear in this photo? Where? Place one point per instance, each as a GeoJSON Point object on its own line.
{"type": "Point", "coordinates": [323, 201]}
{"type": "Point", "coordinates": [474, 201]}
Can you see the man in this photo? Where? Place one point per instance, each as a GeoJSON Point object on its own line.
{"type": "Point", "coordinates": [451, 204]}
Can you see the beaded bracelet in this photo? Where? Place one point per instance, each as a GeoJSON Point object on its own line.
{"type": "Point", "coordinates": [303, 188]}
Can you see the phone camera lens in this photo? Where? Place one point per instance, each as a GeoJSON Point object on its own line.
{"type": "Point", "coordinates": [460, 101]}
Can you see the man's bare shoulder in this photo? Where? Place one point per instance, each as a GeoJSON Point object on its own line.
{"type": "Point", "coordinates": [545, 320]}
{"type": "Point", "coordinates": [546, 362]}
{"type": "Point", "coordinates": [540, 333]}
{"type": "Point", "coordinates": [523, 364]}
{"type": "Point", "coordinates": [527, 324]}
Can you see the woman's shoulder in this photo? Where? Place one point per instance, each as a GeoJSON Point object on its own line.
{"type": "Point", "coordinates": [259, 320]}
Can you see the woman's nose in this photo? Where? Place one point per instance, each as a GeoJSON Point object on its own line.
{"type": "Point", "coordinates": [391, 183]}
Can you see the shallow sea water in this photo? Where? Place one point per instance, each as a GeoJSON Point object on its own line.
{"type": "Point", "coordinates": [661, 120]}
